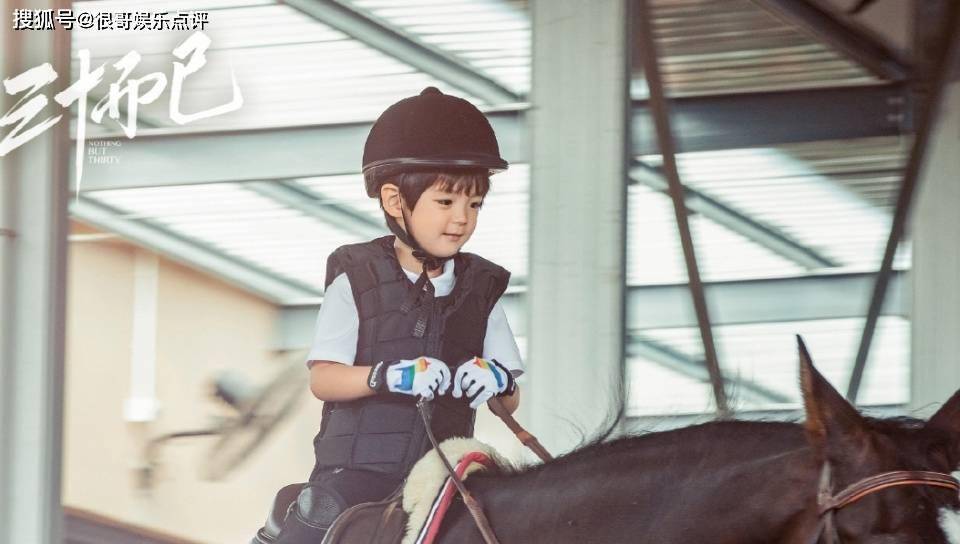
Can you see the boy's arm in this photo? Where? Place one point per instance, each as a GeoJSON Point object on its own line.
{"type": "Point", "coordinates": [331, 381]}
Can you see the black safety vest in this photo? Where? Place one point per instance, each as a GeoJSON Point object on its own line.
{"type": "Point", "coordinates": [384, 433]}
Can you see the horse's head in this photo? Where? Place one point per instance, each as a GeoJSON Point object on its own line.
{"type": "Point", "coordinates": [857, 447]}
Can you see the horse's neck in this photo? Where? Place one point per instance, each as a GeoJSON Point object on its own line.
{"type": "Point", "coordinates": [679, 488]}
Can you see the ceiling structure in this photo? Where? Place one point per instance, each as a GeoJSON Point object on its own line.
{"type": "Point", "coordinates": [791, 142]}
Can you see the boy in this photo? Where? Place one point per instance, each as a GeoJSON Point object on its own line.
{"type": "Point", "coordinates": [407, 316]}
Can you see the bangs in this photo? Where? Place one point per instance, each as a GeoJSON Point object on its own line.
{"type": "Point", "coordinates": [471, 183]}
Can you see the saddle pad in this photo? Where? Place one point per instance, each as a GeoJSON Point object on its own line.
{"type": "Point", "coordinates": [428, 491]}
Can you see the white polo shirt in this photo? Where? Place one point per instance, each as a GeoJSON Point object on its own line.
{"type": "Point", "coordinates": [338, 325]}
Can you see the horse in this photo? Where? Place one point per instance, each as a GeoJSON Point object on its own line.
{"type": "Point", "coordinates": [731, 482]}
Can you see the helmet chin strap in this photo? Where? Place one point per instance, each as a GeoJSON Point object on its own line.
{"type": "Point", "coordinates": [423, 288]}
{"type": "Point", "coordinates": [430, 261]}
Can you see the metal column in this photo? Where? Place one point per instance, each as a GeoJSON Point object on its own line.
{"type": "Point", "coordinates": [936, 265]}
{"type": "Point", "coordinates": [33, 216]}
{"type": "Point", "coordinates": [661, 115]}
{"type": "Point", "coordinates": [946, 56]}
{"type": "Point", "coordinates": [578, 120]}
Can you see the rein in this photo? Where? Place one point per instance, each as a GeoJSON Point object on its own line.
{"type": "Point", "coordinates": [473, 505]}
{"type": "Point", "coordinates": [828, 503]}
{"type": "Point", "coordinates": [522, 435]}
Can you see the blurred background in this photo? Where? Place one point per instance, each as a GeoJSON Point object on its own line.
{"type": "Point", "coordinates": [155, 322]}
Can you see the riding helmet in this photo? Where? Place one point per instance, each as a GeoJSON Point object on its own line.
{"type": "Point", "coordinates": [429, 131]}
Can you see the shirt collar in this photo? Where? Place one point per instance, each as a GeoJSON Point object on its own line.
{"type": "Point", "coordinates": [445, 276]}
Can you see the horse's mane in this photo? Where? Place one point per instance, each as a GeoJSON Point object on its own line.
{"type": "Point", "coordinates": [735, 438]}
{"type": "Point", "coordinates": [721, 438]}
{"type": "Point", "coordinates": [599, 444]}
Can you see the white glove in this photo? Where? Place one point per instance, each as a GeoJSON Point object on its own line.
{"type": "Point", "coordinates": [481, 379]}
{"type": "Point", "coordinates": [424, 376]}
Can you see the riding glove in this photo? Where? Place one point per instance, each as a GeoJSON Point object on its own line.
{"type": "Point", "coordinates": [424, 376]}
{"type": "Point", "coordinates": [480, 379]}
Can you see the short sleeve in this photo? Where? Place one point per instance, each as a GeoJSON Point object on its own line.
{"type": "Point", "coordinates": [499, 342]}
{"type": "Point", "coordinates": [338, 325]}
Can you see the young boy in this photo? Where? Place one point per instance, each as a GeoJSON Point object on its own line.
{"type": "Point", "coordinates": [409, 315]}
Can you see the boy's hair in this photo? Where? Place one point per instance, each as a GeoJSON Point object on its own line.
{"type": "Point", "coordinates": [413, 184]}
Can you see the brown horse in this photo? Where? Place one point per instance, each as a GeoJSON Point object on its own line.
{"type": "Point", "coordinates": [730, 482]}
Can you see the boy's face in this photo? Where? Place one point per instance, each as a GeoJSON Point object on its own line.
{"type": "Point", "coordinates": [443, 221]}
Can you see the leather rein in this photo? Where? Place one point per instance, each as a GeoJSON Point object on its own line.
{"type": "Point", "coordinates": [828, 503]}
{"type": "Point", "coordinates": [472, 503]}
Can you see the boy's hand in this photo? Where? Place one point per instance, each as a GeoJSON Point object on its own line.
{"type": "Point", "coordinates": [424, 376]}
{"type": "Point", "coordinates": [481, 379]}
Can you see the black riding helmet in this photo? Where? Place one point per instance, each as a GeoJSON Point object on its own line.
{"type": "Point", "coordinates": [428, 132]}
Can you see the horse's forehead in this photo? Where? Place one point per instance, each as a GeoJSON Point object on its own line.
{"type": "Point", "coordinates": [903, 436]}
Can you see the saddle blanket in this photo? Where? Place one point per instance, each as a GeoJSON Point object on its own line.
{"type": "Point", "coordinates": [429, 490]}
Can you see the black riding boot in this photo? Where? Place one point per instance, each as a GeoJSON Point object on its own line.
{"type": "Point", "coordinates": [316, 508]}
{"type": "Point", "coordinates": [322, 499]}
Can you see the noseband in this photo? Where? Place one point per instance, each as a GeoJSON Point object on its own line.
{"type": "Point", "coordinates": [828, 503]}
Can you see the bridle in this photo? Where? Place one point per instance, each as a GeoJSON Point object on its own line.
{"type": "Point", "coordinates": [828, 503]}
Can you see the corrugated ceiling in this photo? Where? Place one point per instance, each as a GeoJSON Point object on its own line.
{"type": "Point", "coordinates": [731, 46]}
{"type": "Point", "coordinates": [834, 197]}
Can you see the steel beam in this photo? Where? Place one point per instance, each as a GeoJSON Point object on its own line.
{"type": "Point", "coordinates": [195, 254]}
{"type": "Point", "coordinates": [764, 235]}
{"type": "Point", "coordinates": [363, 26]}
{"type": "Point", "coordinates": [844, 36]}
{"type": "Point", "coordinates": [332, 213]}
{"type": "Point", "coordinates": [681, 363]}
{"type": "Point", "coordinates": [665, 142]}
{"type": "Point", "coordinates": [708, 123]}
{"type": "Point", "coordinates": [159, 157]}
{"type": "Point", "coordinates": [777, 300]}
{"type": "Point", "coordinates": [761, 301]}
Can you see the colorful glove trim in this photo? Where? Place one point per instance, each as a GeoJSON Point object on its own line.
{"type": "Point", "coordinates": [424, 376]}
{"type": "Point", "coordinates": [480, 379]}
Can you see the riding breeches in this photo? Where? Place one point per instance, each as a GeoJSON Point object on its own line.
{"type": "Point", "coordinates": [326, 495]}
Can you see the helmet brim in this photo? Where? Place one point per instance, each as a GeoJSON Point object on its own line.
{"type": "Point", "coordinates": [375, 172]}
{"type": "Point", "coordinates": [491, 164]}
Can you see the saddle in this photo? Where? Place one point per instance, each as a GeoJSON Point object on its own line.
{"type": "Point", "coordinates": [382, 522]}
{"type": "Point", "coordinates": [424, 496]}
{"type": "Point", "coordinates": [385, 522]}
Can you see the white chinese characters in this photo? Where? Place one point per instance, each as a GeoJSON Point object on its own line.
{"type": "Point", "coordinates": [128, 92]}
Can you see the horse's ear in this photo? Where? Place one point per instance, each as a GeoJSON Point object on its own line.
{"type": "Point", "coordinates": [831, 420]}
{"type": "Point", "coordinates": [947, 419]}
{"type": "Point", "coordinates": [948, 416]}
